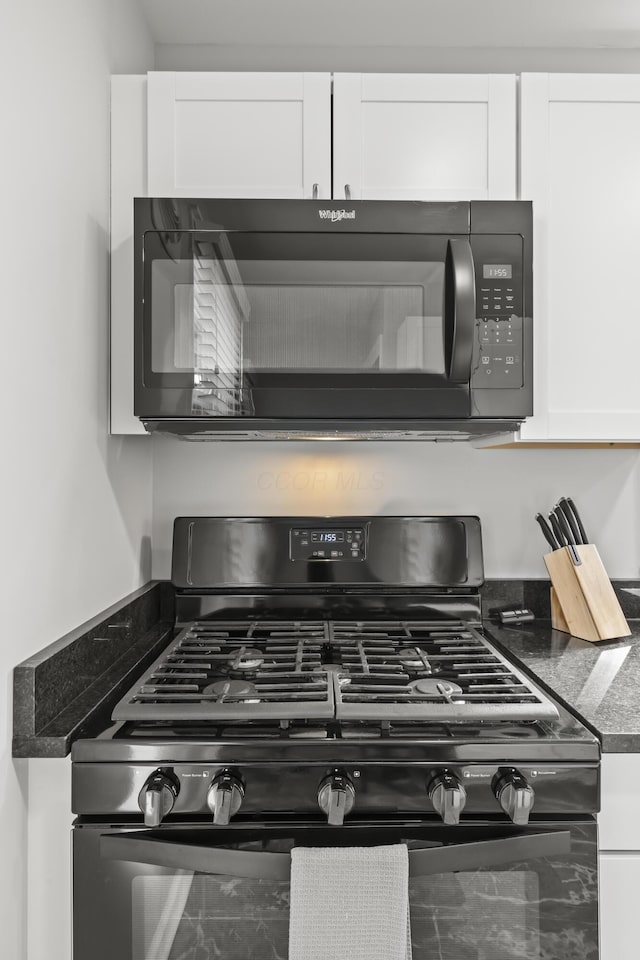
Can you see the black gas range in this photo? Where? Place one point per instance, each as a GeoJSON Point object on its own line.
{"type": "Point", "coordinates": [330, 681]}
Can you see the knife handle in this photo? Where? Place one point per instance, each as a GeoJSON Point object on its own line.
{"type": "Point", "coordinates": [559, 535]}
{"type": "Point", "coordinates": [574, 509]}
{"type": "Point", "coordinates": [562, 530]}
{"type": "Point", "coordinates": [548, 532]}
{"type": "Point", "coordinates": [562, 507]}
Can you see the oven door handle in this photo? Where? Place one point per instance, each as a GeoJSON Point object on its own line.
{"type": "Point", "coordinates": [140, 847]}
{"type": "Point", "coordinates": [478, 854]}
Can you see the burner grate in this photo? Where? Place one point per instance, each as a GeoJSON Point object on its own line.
{"type": "Point", "coordinates": [437, 674]}
{"type": "Point", "coordinates": [236, 671]}
{"type": "Point", "coordinates": [348, 670]}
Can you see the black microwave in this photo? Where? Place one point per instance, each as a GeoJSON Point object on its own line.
{"type": "Point", "coordinates": [366, 319]}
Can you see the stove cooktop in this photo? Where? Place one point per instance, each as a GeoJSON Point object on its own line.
{"type": "Point", "coordinates": [326, 670]}
{"type": "Point", "coordinates": [301, 662]}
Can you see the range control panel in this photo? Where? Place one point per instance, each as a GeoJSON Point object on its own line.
{"type": "Point", "coordinates": [328, 543]}
{"type": "Point", "coordinates": [455, 792]}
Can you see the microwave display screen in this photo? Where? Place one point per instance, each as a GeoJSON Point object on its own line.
{"type": "Point", "coordinates": [497, 271]}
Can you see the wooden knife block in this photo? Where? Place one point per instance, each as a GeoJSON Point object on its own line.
{"type": "Point", "coordinates": [583, 602]}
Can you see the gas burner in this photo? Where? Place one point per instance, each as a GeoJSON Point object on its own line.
{"type": "Point", "coordinates": [230, 690]}
{"type": "Point", "coordinates": [430, 687]}
{"type": "Point", "coordinates": [246, 659]}
{"type": "Point", "coordinates": [414, 658]}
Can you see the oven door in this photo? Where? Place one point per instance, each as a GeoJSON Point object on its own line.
{"type": "Point", "coordinates": [476, 891]}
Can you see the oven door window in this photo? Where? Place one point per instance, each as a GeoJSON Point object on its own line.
{"type": "Point", "coordinates": [242, 319]}
{"type": "Point", "coordinates": [535, 907]}
{"type": "Point", "coordinates": [192, 915]}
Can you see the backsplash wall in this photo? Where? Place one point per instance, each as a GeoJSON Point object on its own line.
{"type": "Point", "coordinates": [505, 488]}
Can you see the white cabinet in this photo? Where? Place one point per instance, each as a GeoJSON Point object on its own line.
{"type": "Point", "coordinates": [619, 862]}
{"type": "Point", "coordinates": [580, 165]}
{"type": "Point", "coordinates": [395, 136]}
{"type": "Point", "coordinates": [619, 919]}
{"type": "Point", "coordinates": [424, 137]}
{"type": "Point", "coordinates": [239, 134]}
{"type": "Point", "coordinates": [49, 869]}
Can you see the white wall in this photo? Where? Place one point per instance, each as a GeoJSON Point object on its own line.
{"type": "Point", "coordinates": [505, 488]}
{"type": "Point", "coordinates": [393, 59]}
{"type": "Point", "coordinates": [76, 518]}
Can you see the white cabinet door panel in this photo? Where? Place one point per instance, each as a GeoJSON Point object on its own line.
{"type": "Point", "coordinates": [580, 157]}
{"type": "Point", "coordinates": [618, 906]}
{"type": "Point", "coordinates": [424, 137]}
{"type": "Point", "coordinates": [618, 823]}
{"type": "Point", "coordinates": [239, 134]}
{"type": "Point", "coordinates": [619, 860]}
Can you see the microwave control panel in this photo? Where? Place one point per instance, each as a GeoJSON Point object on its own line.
{"type": "Point", "coordinates": [498, 340]}
{"type": "Point", "coordinates": [497, 352]}
{"type": "Point", "coordinates": [328, 543]}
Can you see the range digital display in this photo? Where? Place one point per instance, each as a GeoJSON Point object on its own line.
{"type": "Point", "coordinates": [327, 536]}
{"type": "Point", "coordinates": [329, 543]}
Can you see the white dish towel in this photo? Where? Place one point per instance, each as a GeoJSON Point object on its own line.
{"type": "Point", "coordinates": [350, 903]}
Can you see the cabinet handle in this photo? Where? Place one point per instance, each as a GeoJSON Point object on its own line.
{"type": "Point", "coordinates": [347, 191]}
{"type": "Point", "coordinates": [316, 188]}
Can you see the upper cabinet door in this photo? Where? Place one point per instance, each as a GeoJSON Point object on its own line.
{"type": "Point", "coordinates": [424, 137]}
{"type": "Point", "coordinates": [580, 165]}
{"type": "Point", "coordinates": [239, 135]}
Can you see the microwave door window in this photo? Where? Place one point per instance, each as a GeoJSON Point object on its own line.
{"type": "Point", "coordinates": [199, 312]}
{"type": "Point", "coordinates": [354, 317]}
{"type": "Point", "coordinates": [295, 326]}
{"type": "Point", "coordinates": [223, 306]}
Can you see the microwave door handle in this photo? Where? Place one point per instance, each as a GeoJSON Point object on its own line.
{"type": "Point", "coordinates": [140, 847]}
{"type": "Point", "coordinates": [488, 853]}
{"type": "Point", "coordinates": [459, 310]}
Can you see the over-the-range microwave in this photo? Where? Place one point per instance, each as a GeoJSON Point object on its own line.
{"type": "Point", "coordinates": [366, 319]}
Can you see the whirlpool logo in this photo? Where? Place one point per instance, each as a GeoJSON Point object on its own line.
{"type": "Point", "coordinates": [336, 215]}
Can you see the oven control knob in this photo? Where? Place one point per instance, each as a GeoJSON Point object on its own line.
{"type": "Point", "coordinates": [448, 796]}
{"type": "Point", "coordinates": [157, 797]}
{"type": "Point", "coordinates": [514, 795]}
{"type": "Point", "coordinates": [224, 797]}
{"type": "Point", "coordinates": [336, 796]}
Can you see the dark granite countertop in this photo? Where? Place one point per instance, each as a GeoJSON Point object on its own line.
{"type": "Point", "coordinates": [60, 693]}
{"type": "Point", "coordinates": [598, 682]}
{"type": "Point", "coordinates": [67, 689]}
